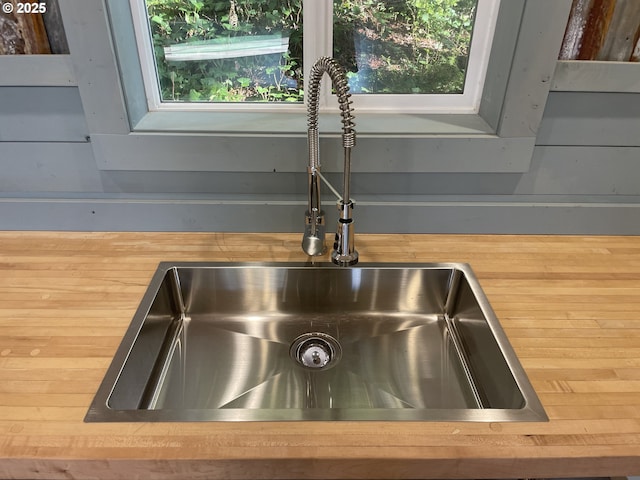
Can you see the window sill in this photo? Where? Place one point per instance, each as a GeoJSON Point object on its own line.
{"type": "Point", "coordinates": [295, 124]}
{"type": "Point", "coordinates": [250, 142]}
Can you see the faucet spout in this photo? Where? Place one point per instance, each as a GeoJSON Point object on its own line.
{"type": "Point", "coordinates": [344, 252]}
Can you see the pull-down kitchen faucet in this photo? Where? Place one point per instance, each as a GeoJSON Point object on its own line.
{"type": "Point", "coordinates": [344, 252]}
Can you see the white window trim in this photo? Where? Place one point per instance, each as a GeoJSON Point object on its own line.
{"type": "Point", "coordinates": [321, 31]}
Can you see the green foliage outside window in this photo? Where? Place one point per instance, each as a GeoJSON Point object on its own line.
{"type": "Point", "coordinates": [409, 46]}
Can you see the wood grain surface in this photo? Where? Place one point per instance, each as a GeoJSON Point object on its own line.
{"type": "Point", "coordinates": [569, 305]}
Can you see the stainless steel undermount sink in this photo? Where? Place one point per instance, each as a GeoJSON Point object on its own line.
{"type": "Point", "coordinates": [272, 342]}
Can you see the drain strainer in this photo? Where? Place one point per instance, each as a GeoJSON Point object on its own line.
{"type": "Point", "coordinates": [316, 351]}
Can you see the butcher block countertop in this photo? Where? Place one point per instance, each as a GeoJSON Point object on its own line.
{"type": "Point", "coordinates": [570, 306]}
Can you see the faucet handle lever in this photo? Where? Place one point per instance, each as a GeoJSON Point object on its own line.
{"type": "Point", "coordinates": [314, 232]}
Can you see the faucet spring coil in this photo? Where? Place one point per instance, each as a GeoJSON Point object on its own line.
{"type": "Point", "coordinates": [339, 80]}
{"type": "Point", "coordinates": [349, 140]}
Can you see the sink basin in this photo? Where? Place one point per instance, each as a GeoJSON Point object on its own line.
{"type": "Point", "coordinates": [273, 342]}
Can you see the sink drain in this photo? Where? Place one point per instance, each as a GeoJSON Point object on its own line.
{"type": "Point", "coordinates": [316, 351]}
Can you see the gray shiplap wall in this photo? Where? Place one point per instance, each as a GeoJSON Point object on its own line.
{"type": "Point", "coordinates": [582, 178]}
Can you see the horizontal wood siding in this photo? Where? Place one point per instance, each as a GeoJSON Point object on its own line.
{"type": "Point", "coordinates": [596, 119]}
{"type": "Point", "coordinates": [36, 71]}
{"type": "Point", "coordinates": [614, 77]}
{"type": "Point", "coordinates": [41, 114]}
{"type": "Point", "coordinates": [582, 178]}
{"type": "Point", "coordinates": [33, 168]}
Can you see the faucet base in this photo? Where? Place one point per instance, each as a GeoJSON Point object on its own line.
{"type": "Point", "coordinates": [344, 260]}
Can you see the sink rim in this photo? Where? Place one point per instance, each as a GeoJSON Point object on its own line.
{"type": "Point", "coordinates": [99, 410]}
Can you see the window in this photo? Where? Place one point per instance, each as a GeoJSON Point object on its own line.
{"type": "Point", "coordinates": [400, 55]}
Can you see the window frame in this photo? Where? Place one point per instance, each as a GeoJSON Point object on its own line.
{"type": "Point", "coordinates": [320, 30]}
{"type": "Point", "coordinates": [500, 138]}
